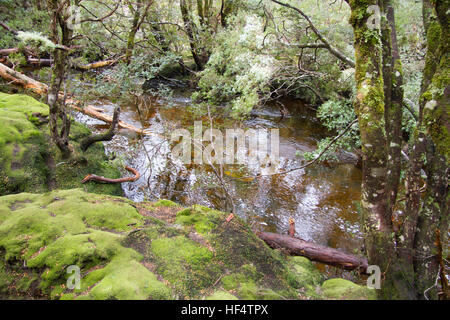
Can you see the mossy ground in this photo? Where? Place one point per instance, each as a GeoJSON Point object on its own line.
{"type": "Point", "coordinates": [127, 250]}
{"type": "Point", "coordinates": [341, 289]}
{"type": "Point", "coordinates": [29, 162]}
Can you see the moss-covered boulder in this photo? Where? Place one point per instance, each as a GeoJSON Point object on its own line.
{"type": "Point", "coordinates": [127, 250]}
{"type": "Point", "coordinates": [342, 289]}
{"type": "Point", "coordinates": [29, 163]}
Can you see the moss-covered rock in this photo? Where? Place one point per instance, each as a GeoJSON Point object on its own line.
{"type": "Point", "coordinates": [127, 250]}
{"type": "Point", "coordinates": [29, 162]}
{"type": "Point", "coordinates": [342, 289]}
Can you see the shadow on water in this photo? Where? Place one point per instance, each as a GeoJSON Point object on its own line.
{"type": "Point", "coordinates": [321, 198]}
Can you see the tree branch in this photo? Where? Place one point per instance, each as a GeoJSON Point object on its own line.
{"type": "Point", "coordinates": [338, 54]}
{"type": "Point", "coordinates": [107, 136]}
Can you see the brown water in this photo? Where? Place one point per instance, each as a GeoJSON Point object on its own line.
{"type": "Point", "coordinates": [321, 198]}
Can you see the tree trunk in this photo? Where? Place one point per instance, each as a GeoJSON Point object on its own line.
{"type": "Point", "coordinates": [370, 109]}
{"type": "Point", "coordinates": [133, 31]}
{"type": "Point", "coordinates": [57, 108]}
{"type": "Point", "coordinates": [200, 55]}
{"type": "Point", "coordinates": [434, 132]}
{"type": "Point", "coordinates": [225, 10]}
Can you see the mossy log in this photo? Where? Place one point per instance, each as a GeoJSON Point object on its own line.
{"type": "Point", "coordinates": [97, 65]}
{"type": "Point", "coordinates": [314, 251]}
{"type": "Point", "coordinates": [22, 80]}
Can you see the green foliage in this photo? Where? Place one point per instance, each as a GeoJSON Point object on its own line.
{"type": "Point", "coordinates": [336, 116]}
{"type": "Point", "coordinates": [240, 68]}
{"type": "Point", "coordinates": [126, 80]}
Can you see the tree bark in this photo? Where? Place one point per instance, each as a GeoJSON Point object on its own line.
{"type": "Point", "coordinates": [370, 108]}
{"type": "Point", "coordinates": [60, 137]}
{"type": "Point", "coordinates": [432, 144]}
{"type": "Point", "coordinates": [314, 252]}
{"type": "Point", "coordinates": [200, 55]}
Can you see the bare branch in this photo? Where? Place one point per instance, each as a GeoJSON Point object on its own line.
{"type": "Point", "coordinates": [338, 54]}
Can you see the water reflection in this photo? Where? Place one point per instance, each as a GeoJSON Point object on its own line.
{"type": "Point", "coordinates": [320, 198]}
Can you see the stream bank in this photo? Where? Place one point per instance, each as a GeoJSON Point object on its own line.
{"type": "Point", "coordinates": [127, 249]}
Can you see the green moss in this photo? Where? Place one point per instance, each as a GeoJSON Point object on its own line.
{"type": "Point", "coordinates": [22, 144]}
{"type": "Point", "coordinates": [346, 290]}
{"type": "Point", "coordinates": [127, 279]}
{"type": "Point", "coordinates": [40, 219]}
{"type": "Point", "coordinates": [248, 288]}
{"type": "Point", "coordinates": [71, 227]}
{"type": "Point", "coordinates": [165, 203]}
{"type": "Point", "coordinates": [221, 295]}
{"type": "Point", "coordinates": [23, 104]}
{"type": "Point", "coordinates": [187, 265]}
{"type": "Point", "coordinates": [28, 159]}
{"type": "Point", "coordinates": [201, 218]}
{"type": "Point", "coordinates": [305, 273]}
{"type": "Point", "coordinates": [125, 255]}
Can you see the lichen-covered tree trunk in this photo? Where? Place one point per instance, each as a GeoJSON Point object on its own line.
{"type": "Point", "coordinates": [393, 97]}
{"type": "Point", "coordinates": [370, 108]}
{"type": "Point", "coordinates": [434, 142]}
{"type": "Point", "coordinates": [138, 17]}
{"type": "Point", "coordinates": [57, 109]}
{"type": "Point", "coordinates": [393, 100]}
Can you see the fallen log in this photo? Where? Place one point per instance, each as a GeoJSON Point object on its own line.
{"type": "Point", "coordinates": [99, 115]}
{"type": "Point", "coordinates": [93, 177]}
{"type": "Point", "coordinates": [314, 252]}
{"type": "Point", "coordinates": [8, 51]}
{"type": "Point", "coordinates": [36, 62]}
{"type": "Point", "coordinates": [96, 65]}
{"type": "Point", "coordinates": [22, 80]}
{"type": "Point", "coordinates": [17, 78]}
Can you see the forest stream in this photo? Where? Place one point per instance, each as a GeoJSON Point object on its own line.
{"type": "Point", "coordinates": [321, 198]}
